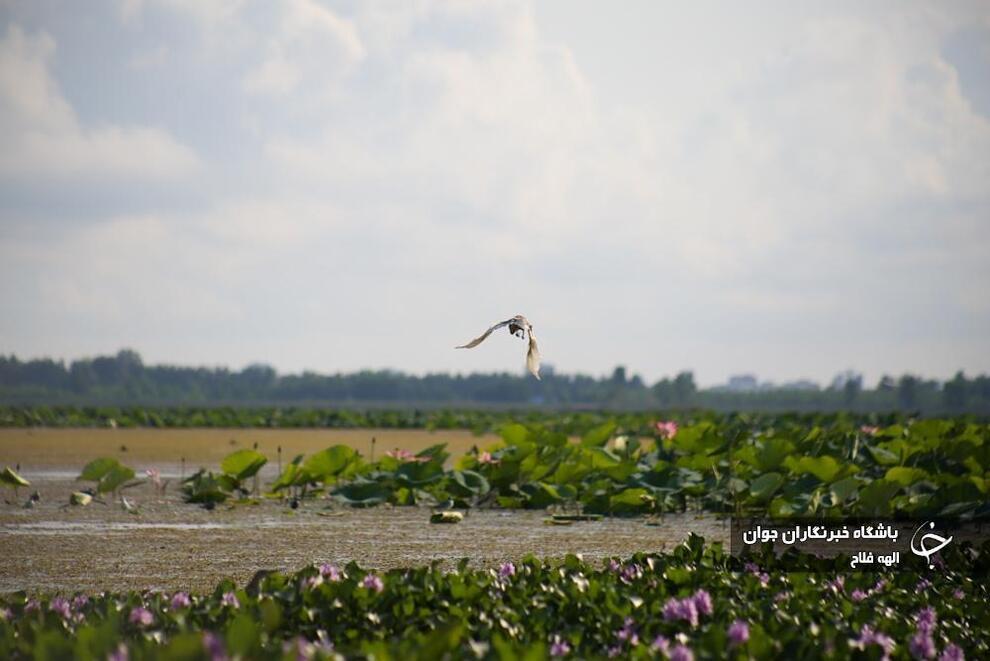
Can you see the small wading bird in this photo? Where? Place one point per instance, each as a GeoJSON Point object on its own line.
{"type": "Point", "coordinates": [520, 327]}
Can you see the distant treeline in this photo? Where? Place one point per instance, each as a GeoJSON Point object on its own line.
{"type": "Point", "coordinates": [124, 379]}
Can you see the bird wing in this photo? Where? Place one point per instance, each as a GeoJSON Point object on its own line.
{"type": "Point", "coordinates": [533, 355]}
{"type": "Point", "coordinates": [478, 340]}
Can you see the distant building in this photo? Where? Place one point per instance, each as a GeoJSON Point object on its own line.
{"type": "Point", "coordinates": [801, 384]}
{"type": "Point", "coordinates": [742, 383]}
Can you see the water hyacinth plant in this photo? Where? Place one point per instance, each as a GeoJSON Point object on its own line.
{"type": "Point", "coordinates": [693, 602]}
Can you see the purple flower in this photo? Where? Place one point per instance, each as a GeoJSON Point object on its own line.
{"type": "Point", "coordinates": [703, 602]}
{"type": "Point", "coordinates": [214, 646]}
{"type": "Point", "coordinates": [738, 632]}
{"type": "Point", "coordinates": [922, 646]}
{"type": "Point", "coordinates": [119, 654]}
{"type": "Point", "coordinates": [506, 570]}
{"type": "Point", "coordinates": [764, 579]}
{"type": "Point", "coordinates": [661, 645]}
{"type": "Point", "coordinates": [958, 594]}
{"type": "Point", "coordinates": [628, 632]}
{"type": "Point", "coordinates": [881, 584]}
{"type": "Point", "coordinates": [630, 573]}
{"type": "Point", "coordinates": [952, 652]}
{"type": "Point", "coordinates": [330, 572]}
{"type": "Point", "coordinates": [838, 585]}
{"type": "Point", "coordinates": [681, 653]}
{"type": "Point", "coordinates": [559, 647]}
{"type": "Point", "coordinates": [613, 565]}
{"type": "Point", "coordinates": [922, 585]}
{"type": "Point", "coordinates": [230, 599]}
{"type": "Point", "coordinates": [180, 600]}
{"type": "Point", "coordinates": [858, 595]}
{"type": "Point", "coordinates": [751, 568]}
{"type": "Point", "coordinates": [867, 636]}
{"type": "Point", "coordinates": [311, 582]}
{"type": "Point", "coordinates": [79, 601]}
{"type": "Point", "coordinates": [141, 616]}
{"type": "Point", "coordinates": [61, 606]}
{"type": "Point", "coordinates": [32, 605]}
{"type": "Point", "coordinates": [372, 582]}
{"type": "Point", "coordinates": [925, 619]}
{"type": "Point", "coordinates": [781, 596]}
{"type": "Point", "coordinates": [6, 614]}
{"type": "Point", "coordinates": [681, 609]}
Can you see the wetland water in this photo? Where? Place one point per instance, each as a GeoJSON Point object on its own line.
{"type": "Point", "coordinates": [171, 545]}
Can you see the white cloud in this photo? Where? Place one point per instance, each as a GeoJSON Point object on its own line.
{"type": "Point", "coordinates": [774, 193]}
{"type": "Point", "coordinates": [44, 140]}
{"type": "Point", "coordinates": [310, 45]}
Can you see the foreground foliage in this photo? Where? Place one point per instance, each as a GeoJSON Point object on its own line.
{"type": "Point", "coordinates": [695, 602]}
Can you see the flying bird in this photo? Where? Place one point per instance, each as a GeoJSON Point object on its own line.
{"type": "Point", "coordinates": [520, 327]}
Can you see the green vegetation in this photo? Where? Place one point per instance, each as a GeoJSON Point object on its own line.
{"type": "Point", "coordinates": [125, 379]}
{"type": "Point", "coordinates": [109, 475]}
{"type": "Point", "coordinates": [928, 467]}
{"type": "Point", "coordinates": [695, 602]}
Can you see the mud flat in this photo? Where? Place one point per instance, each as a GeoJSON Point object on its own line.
{"type": "Point", "coordinates": [63, 452]}
{"type": "Point", "coordinates": [171, 545]}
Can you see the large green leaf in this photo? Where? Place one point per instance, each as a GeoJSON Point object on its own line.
{"type": "Point", "coordinates": [905, 476]}
{"type": "Point", "coordinates": [875, 497]}
{"type": "Point", "coordinates": [115, 478]}
{"type": "Point", "coordinates": [10, 476]}
{"type": "Point", "coordinates": [763, 487]}
{"type": "Point", "coordinates": [97, 468]}
{"type": "Point", "coordinates": [243, 463]}
{"type": "Point", "coordinates": [599, 435]}
{"type": "Point", "coordinates": [468, 483]}
{"type": "Point", "coordinates": [362, 493]}
{"type": "Point", "coordinates": [772, 454]}
{"type": "Point", "coordinates": [329, 463]}
{"type": "Point", "coordinates": [826, 468]}
{"type": "Point", "coordinates": [515, 434]}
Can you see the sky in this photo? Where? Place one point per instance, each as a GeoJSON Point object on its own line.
{"type": "Point", "coordinates": [785, 189]}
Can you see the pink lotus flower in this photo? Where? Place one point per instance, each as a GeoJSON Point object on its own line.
{"type": "Point", "coordinates": [486, 458]}
{"type": "Point", "coordinates": [155, 476]}
{"type": "Point", "coordinates": [738, 632]}
{"type": "Point", "coordinates": [666, 428]}
{"type": "Point", "coordinates": [141, 616]}
{"type": "Point", "coordinates": [869, 430]}
{"type": "Point", "coordinates": [405, 456]}
{"type": "Point", "coordinates": [373, 583]}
